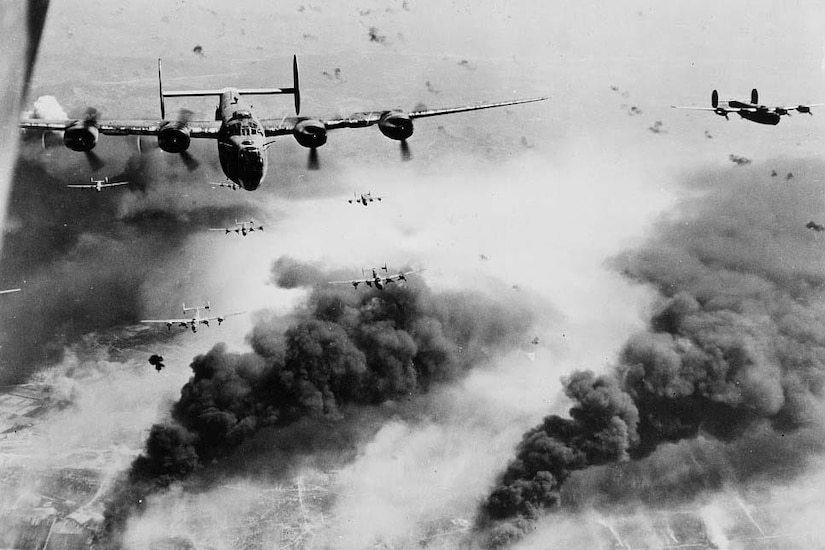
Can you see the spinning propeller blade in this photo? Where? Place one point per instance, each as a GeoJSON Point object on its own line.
{"type": "Point", "coordinates": [312, 160]}
{"type": "Point", "coordinates": [406, 154]}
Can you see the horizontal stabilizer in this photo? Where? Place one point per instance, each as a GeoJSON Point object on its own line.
{"type": "Point", "coordinates": [191, 93]}
{"type": "Point", "coordinates": [247, 91]}
{"type": "Point", "coordinates": [266, 91]}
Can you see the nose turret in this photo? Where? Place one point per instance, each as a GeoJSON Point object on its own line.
{"type": "Point", "coordinates": [252, 166]}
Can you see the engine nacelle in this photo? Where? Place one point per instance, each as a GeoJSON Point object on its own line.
{"type": "Point", "coordinates": [310, 133]}
{"type": "Point", "coordinates": [173, 137]}
{"type": "Point", "coordinates": [81, 136]}
{"type": "Point", "coordinates": [396, 125]}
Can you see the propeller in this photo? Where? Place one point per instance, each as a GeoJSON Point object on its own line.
{"type": "Point", "coordinates": [90, 118]}
{"type": "Point", "coordinates": [406, 154]}
{"type": "Point", "coordinates": [191, 163]}
{"type": "Point", "coordinates": [95, 162]}
{"type": "Point", "coordinates": [312, 160]}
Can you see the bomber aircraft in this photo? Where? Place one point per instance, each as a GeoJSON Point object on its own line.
{"type": "Point", "coordinates": [242, 228]}
{"type": "Point", "coordinates": [363, 198]}
{"type": "Point", "coordinates": [812, 225]}
{"type": "Point", "coordinates": [242, 138]}
{"type": "Point", "coordinates": [97, 185]}
{"type": "Point", "coordinates": [753, 110]}
{"type": "Point", "coordinates": [378, 281]}
{"type": "Point", "coordinates": [195, 320]}
{"type": "Point", "coordinates": [226, 184]}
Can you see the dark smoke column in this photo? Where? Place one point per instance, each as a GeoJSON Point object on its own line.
{"type": "Point", "coordinates": [731, 367]}
{"type": "Point", "coordinates": [309, 378]}
{"type": "Point", "coordinates": [602, 428]}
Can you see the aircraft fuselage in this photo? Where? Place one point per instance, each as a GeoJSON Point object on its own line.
{"type": "Point", "coordinates": [762, 115]}
{"type": "Point", "coordinates": [241, 141]}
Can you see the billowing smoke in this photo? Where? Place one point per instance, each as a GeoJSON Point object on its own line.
{"type": "Point", "coordinates": [302, 387]}
{"type": "Point", "coordinates": [47, 107]}
{"type": "Point", "coordinates": [724, 388]}
{"type": "Point", "coordinates": [95, 252]}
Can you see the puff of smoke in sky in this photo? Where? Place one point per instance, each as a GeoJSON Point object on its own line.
{"type": "Point", "coordinates": [733, 353]}
{"type": "Point", "coordinates": [47, 106]}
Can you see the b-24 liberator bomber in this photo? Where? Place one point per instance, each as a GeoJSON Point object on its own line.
{"type": "Point", "coordinates": [363, 198]}
{"type": "Point", "coordinates": [751, 110]}
{"type": "Point", "coordinates": [242, 138]}
{"type": "Point", "coordinates": [241, 228]}
{"type": "Point", "coordinates": [195, 320]}
{"type": "Point", "coordinates": [97, 185]}
{"type": "Point", "coordinates": [377, 281]}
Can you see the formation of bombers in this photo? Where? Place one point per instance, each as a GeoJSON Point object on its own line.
{"type": "Point", "coordinates": [242, 142]}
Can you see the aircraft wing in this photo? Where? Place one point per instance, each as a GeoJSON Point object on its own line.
{"type": "Point", "coordinates": [81, 186]}
{"type": "Point", "coordinates": [279, 127]}
{"type": "Point", "coordinates": [350, 281]}
{"type": "Point", "coordinates": [166, 321]}
{"type": "Point", "coordinates": [10, 290]}
{"type": "Point", "coordinates": [437, 112]}
{"type": "Point", "coordinates": [718, 109]}
{"type": "Point", "coordinates": [222, 317]}
{"type": "Point", "coordinates": [803, 108]}
{"type": "Point", "coordinates": [401, 275]}
{"type": "Point", "coordinates": [114, 184]}
{"type": "Point", "coordinates": [197, 129]}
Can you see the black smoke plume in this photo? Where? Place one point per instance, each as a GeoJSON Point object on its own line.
{"type": "Point", "coordinates": [725, 386]}
{"type": "Point", "coordinates": [345, 350]}
{"type": "Point", "coordinates": [81, 257]}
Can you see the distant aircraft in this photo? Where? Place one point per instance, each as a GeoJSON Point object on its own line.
{"type": "Point", "coordinates": [97, 185]}
{"type": "Point", "coordinates": [9, 291]}
{"type": "Point", "coordinates": [194, 321]}
{"type": "Point", "coordinates": [364, 198]}
{"type": "Point", "coordinates": [378, 281]}
{"type": "Point", "coordinates": [243, 139]}
{"type": "Point", "coordinates": [815, 226]}
{"type": "Point", "coordinates": [228, 184]}
{"type": "Point", "coordinates": [241, 228]}
{"type": "Point", "coordinates": [753, 110]}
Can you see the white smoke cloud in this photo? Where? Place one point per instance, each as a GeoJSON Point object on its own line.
{"type": "Point", "coordinates": [47, 107]}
